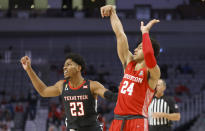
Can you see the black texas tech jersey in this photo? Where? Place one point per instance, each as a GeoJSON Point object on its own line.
{"type": "Point", "coordinates": [80, 105]}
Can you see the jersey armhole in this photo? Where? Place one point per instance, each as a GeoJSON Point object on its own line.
{"type": "Point", "coordinates": [129, 60]}
{"type": "Point", "coordinates": [60, 89]}
{"type": "Point", "coordinates": [90, 81]}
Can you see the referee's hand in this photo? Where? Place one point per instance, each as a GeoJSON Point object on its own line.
{"type": "Point", "coordinates": [158, 115]}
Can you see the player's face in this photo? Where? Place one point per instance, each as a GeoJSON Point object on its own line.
{"type": "Point", "coordinates": [160, 86]}
{"type": "Point", "coordinates": [70, 68]}
{"type": "Point", "coordinates": [138, 53]}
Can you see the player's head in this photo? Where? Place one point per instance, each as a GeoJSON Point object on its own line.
{"type": "Point", "coordinates": [138, 52]}
{"type": "Point", "coordinates": [73, 65]}
{"type": "Point", "coordinates": [161, 86]}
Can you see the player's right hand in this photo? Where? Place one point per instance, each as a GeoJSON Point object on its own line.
{"type": "Point", "coordinates": [106, 10]}
{"type": "Point", "coordinates": [26, 62]}
{"type": "Point", "coordinates": [146, 28]}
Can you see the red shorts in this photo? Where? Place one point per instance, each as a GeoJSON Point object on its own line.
{"type": "Point", "coordinates": [130, 125]}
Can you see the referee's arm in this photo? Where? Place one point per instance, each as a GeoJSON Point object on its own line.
{"type": "Point", "coordinates": [174, 114]}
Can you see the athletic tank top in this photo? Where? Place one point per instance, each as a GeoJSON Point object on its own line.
{"type": "Point", "coordinates": [134, 94]}
{"type": "Point", "coordinates": [80, 105]}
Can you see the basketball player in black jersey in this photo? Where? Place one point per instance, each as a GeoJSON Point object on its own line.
{"type": "Point", "coordinates": [79, 95]}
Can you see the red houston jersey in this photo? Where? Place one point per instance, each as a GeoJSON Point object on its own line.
{"type": "Point", "coordinates": [134, 94]}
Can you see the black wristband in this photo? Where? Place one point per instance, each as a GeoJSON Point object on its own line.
{"type": "Point", "coordinates": [110, 96]}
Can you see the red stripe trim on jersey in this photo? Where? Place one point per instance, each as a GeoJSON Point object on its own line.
{"type": "Point", "coordinates": [148, 97]}
{"type": "Point", "coordinates": [77, 87]}
{"type": "Point", "coordinates": [146, 125]}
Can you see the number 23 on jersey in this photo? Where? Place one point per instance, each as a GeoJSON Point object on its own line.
{"type": "Point", "coordinates": [74, 106]}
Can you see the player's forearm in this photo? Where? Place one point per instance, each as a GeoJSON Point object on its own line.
{"type": "Point", "coordinates": [37, 83]}
{"type": "Point", "coordinates": [116, 23]}
{"type": "Point", "coordinates": [148, 51]}
{"type": "Point", "coordinates": [172, 116]}
{"type": "Point", "coordinates": [122, 42]}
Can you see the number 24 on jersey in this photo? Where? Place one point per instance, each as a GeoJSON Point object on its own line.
{"type": "Point", "coordinates": [127, 88]}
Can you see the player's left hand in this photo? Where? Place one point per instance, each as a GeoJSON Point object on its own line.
{"type": "Point", "coordinates": [158, 115]}
{"type": "Point", "coordinates": [146, 28]}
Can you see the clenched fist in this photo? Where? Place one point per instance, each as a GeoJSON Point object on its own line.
{"type": "Point", "coordinates": [107, 10]}
{"type": "Point", "coordinates": [26, 62]}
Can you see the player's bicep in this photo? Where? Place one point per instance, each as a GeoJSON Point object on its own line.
{"type": "Point", "coordinates": [124, 54]}
{"type": "Point", "coordinates": [98, 89]}
{"type": "Point", "coordinates": [50, 91]}
{"type": "Point", "coordinates": [154, 76]}
{"type": "Point", "coordinates": [53, 91]}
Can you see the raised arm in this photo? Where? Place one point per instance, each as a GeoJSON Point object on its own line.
{"type": "Point", "coordinates": [98, 89]}
{"type": "Point", "coordinates": [41, 88]}
{"type": "Point", "coordinates": [148, 52]}
{"type": "Point", "coordinates": [122, 43]}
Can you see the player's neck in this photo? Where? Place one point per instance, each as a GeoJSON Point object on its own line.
{"type": "Point", "coordinates": [76, 80]}
{"type": "Point", "coordinates": [140, 64]}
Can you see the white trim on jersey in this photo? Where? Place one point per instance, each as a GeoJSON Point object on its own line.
{"type": "Point", "coordinates": [148, 97]}
{"type": "Point", "coordinates": [150, 110]}
{"type": "Point", "coordinates": [66, 121]}
{"type": "Point", "coordinates": [146, 125]}
{"type": "Point", "coordinates": [96, 105]}
{"type": "Point", "coordinates": [72, 130]}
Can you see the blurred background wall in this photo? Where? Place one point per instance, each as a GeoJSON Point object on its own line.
{"type": "Point", "coordinates": [46, 30]}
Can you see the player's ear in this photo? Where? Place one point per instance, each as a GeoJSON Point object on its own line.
{"type": "Point", "coordinates": [79, 68]}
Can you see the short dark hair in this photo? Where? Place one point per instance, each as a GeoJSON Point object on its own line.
{"type": "Point", "coordinates": [156, 47]}
{"type": "Point", "coordinates": [77, 59]}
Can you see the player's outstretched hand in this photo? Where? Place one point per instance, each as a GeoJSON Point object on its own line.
{"type": "Point", "coordinates": [146, 28]}
{"type": "Point", "coordinates": [26, 62]}
{"type": "Point", "coordinates": [106, 10]}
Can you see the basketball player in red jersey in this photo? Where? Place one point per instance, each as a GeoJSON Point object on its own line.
{"type": "Point", "coordinates": [78, 94]}
{"type": "Point", "coordinates": [141, 74]}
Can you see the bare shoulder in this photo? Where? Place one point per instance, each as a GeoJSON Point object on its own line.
{"type": "Point", "coordinates": [97, 89]}
{"type": "Point", "coordinates": [59, 83]}
{"type": "Point", "coordinates": [129, 58]}
{"type": "Point", "coordinates": [93, 84]}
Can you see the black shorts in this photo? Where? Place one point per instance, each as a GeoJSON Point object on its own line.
{"type": "Point", "coordinates": [88, 128]}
